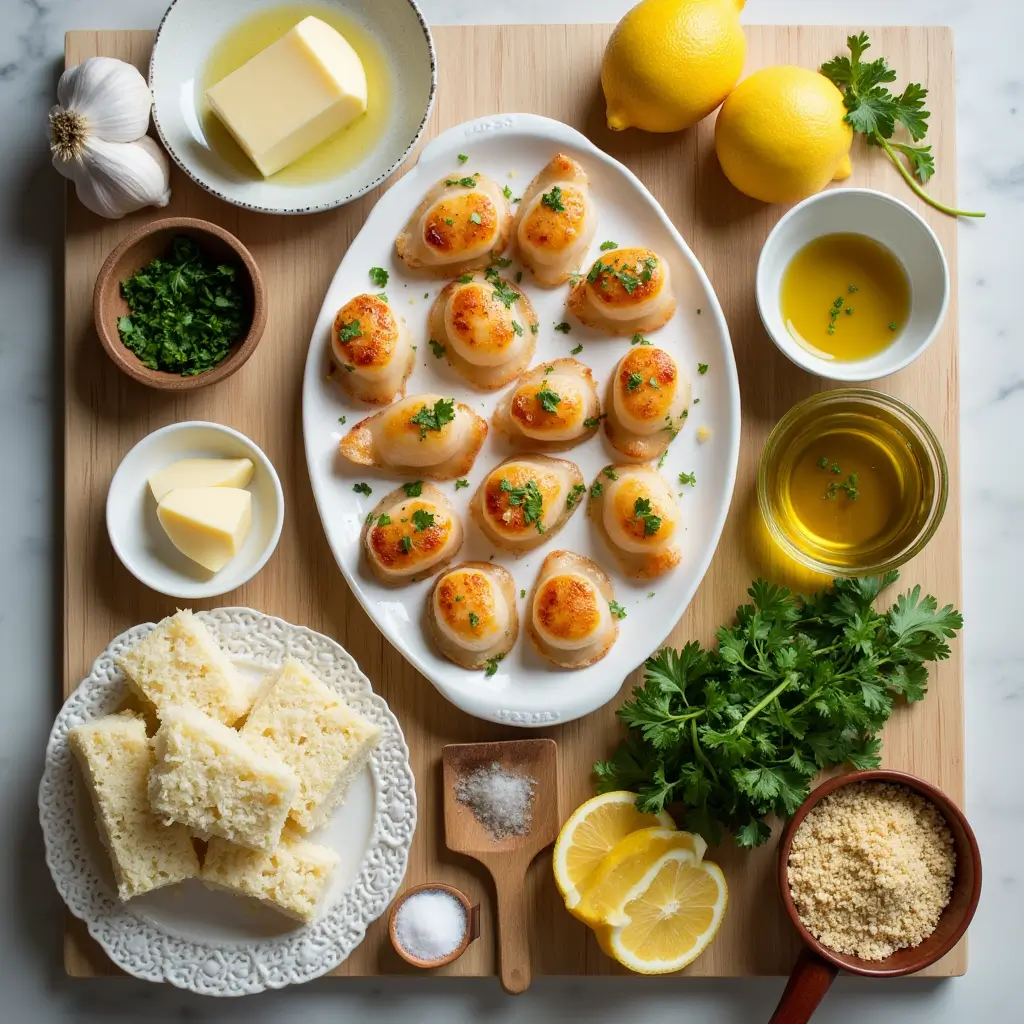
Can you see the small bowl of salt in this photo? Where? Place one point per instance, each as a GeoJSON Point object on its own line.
{"type": "Point", "coordinates": [432, 924]}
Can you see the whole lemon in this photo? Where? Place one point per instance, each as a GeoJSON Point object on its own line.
{"type": "Point", "coordinates": [780, 135]}
{"type": "Point", "coordinates": [669, 63]}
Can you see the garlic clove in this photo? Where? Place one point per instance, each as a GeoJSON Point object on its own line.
{"type": "Point", "coordinates": [111, 97]}
{"type": "Point", "coordinates": [115, 178]}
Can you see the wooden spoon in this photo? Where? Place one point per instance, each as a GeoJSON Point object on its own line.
{"type": "Point", "coordinates": [506, 859]}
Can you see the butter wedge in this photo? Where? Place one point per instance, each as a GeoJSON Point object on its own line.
{"type": "Point", "coordinates": [200, 473]}
{"type": "Point", "coordinates": [291, 96]}
{"type": "Point", "coordinates": [208, 524]}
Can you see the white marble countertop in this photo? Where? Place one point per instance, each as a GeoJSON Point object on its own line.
{"type": "Point", "coordinates": [991, 172]}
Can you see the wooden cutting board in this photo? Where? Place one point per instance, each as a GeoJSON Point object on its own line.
{"type": "Point", "coordinates": [551, 70]}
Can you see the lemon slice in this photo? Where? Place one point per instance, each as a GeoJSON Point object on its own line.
{"type": "Point", "coordinates": [627, 863]}
{"type": "Point", "coordinates": [673, 913]}
{"type": "Point", "coordinates": [591, 832]}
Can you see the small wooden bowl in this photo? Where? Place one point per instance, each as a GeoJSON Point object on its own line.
{"type": "Point", "coordinates": [818, 965]}
{"type": "Point", "coordinates": [472, 924]}
{"type": "Point", "coordinates": [141, 247]}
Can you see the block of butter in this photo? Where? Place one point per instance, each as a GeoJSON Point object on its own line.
{"type": "Point", "coordinates": [208, 524]}
{"type": "Point", "coordinates": [200, 473]}
{"type": "Point", "coordinates": [291, 96]}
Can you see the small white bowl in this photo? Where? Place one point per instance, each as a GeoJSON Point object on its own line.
{"type": "Point", "coordinates": [191, 29]}
{"type": "Point", "coordinates": [138, 538]}
{"type": "Point", "coordinates": [886, 220]}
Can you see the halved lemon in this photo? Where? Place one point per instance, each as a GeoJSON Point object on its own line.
{"type": "Point", "coordinates": [591, 832]}
{"type": "Point", "coordinates": [673, 913]}
{"type": "Point", "coordinates": [624, 866]}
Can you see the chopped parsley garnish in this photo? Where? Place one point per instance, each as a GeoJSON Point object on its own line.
{"type": "Point", "coordinates": [492, 664]}
{"type": "Point", "coordinates": [422, 520]}
{"type": "Point", "coordinates": [634, 381]}
{"type": "Point", "coordinates": [349, 368]}
{"type": "Point", "coordinates": [577, 350]}
{"type": "Point", "coordinates": [405, 544]}
{"type": "Point", "coordinates": [413, 489]}
{"type": "Point", "coordinates": [662, 458]}
{"type": "Point", "coordinates": [592, 421]}
{"type": "Point", "coordinates": [616, 609]}
{"type": "Point", "coordinates": [688, 478]}
{"type": "Point", "coordinates": [350, 331]}
{"type": "Point", "coordinates": [642, 510]}
{"type": "Point", "coordinates": [573, 498]}
{"type": "Point", "coordinates": [507, 192]}
{"type": "Point", "coordinates": [518, 328]}
{"type": "Point", "coordinates": [605, 246]}
{"type": "Point", "coordinates": [341, 420]}
{"type": "Point", "coordinates": [362, 488]}
{"type": "Point", "coordinates": [434, 419]}
{"type": "Point", "coordinates": [449, 221]}
{"type": "Point", "coordinates": [610, 473]}
{"type": "Point", "coordinates": [384, 520]}
{"type": "Point", "coordinates": [529, 497]}
{"type": "Point", "coordinates": [534, 328]}
{"type": "Point", "coordinates": [553, 199]}
{"type": "Point", "coordinates": [500, 261]}
{"type": "Point", "coordinates": [463, 157]}
{"type": "Point", "coordinates": [437, 348]}
{"type": "Point", "coordinates": [459, 484]}
{"type": "Point", "coordinates": [369, 518]}
{"type": "Point", "coordinates": [639, 339]}
{"type": "Point", "coordinates": [548, 399]}
{"type": "Point", "coordinates": [654, 383]}
{"type": "Point", "coordinates": [383, 296]}
{"type": "Point", "coordinates": [522, 593]}
{"type": "Point", "coordinates": [549, 368]}
{"type": "Point", "coordinates": [465, 278]}
{"type": "Point", "coordinates": [596, 489]}
{"type": "Point", "coordinates": [596, 271]}
{"type": "Point", "coordinates": [505, 293]}
{"type": "Point", "coordinates": [466, 182]}
{"type": "Point", "coordinates": [474, 620]}
{"type": "Point", "coordinates": [563, 327]}
{"type": "Point", "coordinates": [459, 598]}
{"type": "Point", "coordinates": [476, 218]}
{"type": "Point", "coordinates": [702, 368]}
{"type": "Point", "coordinates": [379, 276]}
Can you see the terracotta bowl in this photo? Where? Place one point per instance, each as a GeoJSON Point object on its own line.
{"type": "Point", "coordinates": [141, 247]}
{"type": "Point", "coordinates": [818, 965]}
{"type": "Point", "coordinates": [472, 925]}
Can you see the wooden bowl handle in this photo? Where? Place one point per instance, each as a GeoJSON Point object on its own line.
{"type": "Point", "coordinates": [513, 944]}
{"type": "Point", "coordinates": [808, 982]}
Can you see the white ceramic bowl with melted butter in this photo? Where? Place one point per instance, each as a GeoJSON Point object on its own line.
{"type": "Point", "coordinates": [889, 222]}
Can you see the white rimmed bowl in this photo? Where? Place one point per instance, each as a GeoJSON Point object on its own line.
{"type": "Point", "coordinates": [185, 39]}
{"type": "Point", "coordinates": [138, 538]}
{"type": "Point", "coordinates": [886, 220]}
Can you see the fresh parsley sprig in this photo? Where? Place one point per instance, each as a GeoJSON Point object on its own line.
{"type": "Point", "coordinates": [797, 685]}
{"type": "Point", "coordinates": [874, 112]}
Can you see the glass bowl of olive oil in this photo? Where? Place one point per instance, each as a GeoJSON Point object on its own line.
{"type": "Point", "coordinates": [852, 482]}
{"type": "Point", "coordinates": [852, 284]}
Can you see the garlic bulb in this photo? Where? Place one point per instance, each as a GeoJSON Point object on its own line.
{"type": "Point", "coordinates": [98, 138]}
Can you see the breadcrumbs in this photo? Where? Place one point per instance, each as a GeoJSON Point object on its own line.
{"type": "Point", "coordinates": [871, 869]}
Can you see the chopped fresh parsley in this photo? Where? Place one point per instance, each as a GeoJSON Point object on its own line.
{"type": "Point", "coordinates": [434, 418]}
{"type": "Point", "coordinates": [507, 192]}
{"type": "Point", "coordinates": [465, 278]}
{"type": "Point", "coordinates": [362, 488]}
{"type": "Point", "coordinates": [610, 473]}
{"type": "Point", "coordinates": [549, 368]}
{"type": "Point", "coordinates": [702, 368]}
{"type": "Point", "coordinates": [573, 498]}
{"type": "Point", "coordinates": [474, 620]}
{"type": "Point", "coordinates": [662, 458]}
{"type": "Point", "coordinates": [688, 479]}
{"type": "Point", "coordinates": [341, 420]}
{"type": "Point", "coordinates": [449, 221]}
{"type": "Point", "coordinates": [466, 182]}
{"type": "Point", "coordinates": [592, 421]}
{"type": "Point", "coordinates": [500, 261]}
{"type": "Point", "coordinates": [379, 276]}
{"type": "Point", "coordinates": [422, 520]}
{"type": "Point", "coordinates": [459, 598]}
{"type": "Point", "coordinates": [642, 511]}
{"type": "Point", "coordinates": [437, 348]}
{"type": "Point", "coordinates": [350, 331]}
{"type": "Point", "coordinates": [577, 350]}
{"type": "Point", "coordinates": [505, 293]}
{"type": "Point", "coordinates": [405, 544]}
{"type": "Point", "coordinates": [553, 199]}
{"type": "Point", "coordinates": [459, 484]}
{"type": "Point", "coordinates": [548, 399]}
{"type": "Point", "coordinates": [492, 664]}
{"type": "Point", "coordinates": [517, 328]}
{"type": "Point", "coordinates": [522, 593]}
{"type": "Point", "coordinates": [384, 520]}
{"type": "Point", "coordinates": [616, 609]}
{"type": "Point", "coordinates": [413, 489]}
{"type": "Point", "coordinates": [349, 368]}
{"type": "Point", "coordinates": [596, 489]}
{"type": "Point", "coordinates": [534, 328]}
{"type": "Point", "coordinates": [639, 339]}
{"type": "Point", "coordinates": [463, 157]}
{"type": "Point", "coordinates": [383, 296]}
{"type": "Point", "coordinates": [529, 497]}
{"type": "Point", "coordinates": [634, 381]}
{"type": "Point", "coordinates": [605, 246]}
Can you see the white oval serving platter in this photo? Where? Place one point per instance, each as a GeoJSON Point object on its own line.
{"type": "Point", "coordinates": [185, 38]}
{"type": "Point", "coordinates": [213, 943]}
{"type": "Point", "coordinates": [525, 690]}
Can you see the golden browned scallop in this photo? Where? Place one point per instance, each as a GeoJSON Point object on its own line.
{"type": "Point", "coordinates": [526, 500]}
{"type": "Point", "coordinates": [647, 404]}
{"type": "Point", "coordinates": [372, 350]}
{"type": "Point", "coordinates": [555, 222]}
{"type": "Point", "coordinates": [407, 539]}
{"type": "Point", "coordinates": [427, 435]}
{"type": "Point", "coordinates": [457, 227]}
{"type": "Point", "coordinates": [472, 614]}
{"type": "Point", "coordinates": [570, 621]}
{"type": "Point", "coordinates": [487, 327]}
{"type": "Point", "coordinates": [553, 406]}
{"type": "Point", "coordinates": [627, 291]}
{"type": "Point", "coordinates": [637, 515]}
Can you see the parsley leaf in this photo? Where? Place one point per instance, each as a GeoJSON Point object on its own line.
{"type": "Point", "coordinates": [642, 511]}
{"type": "Point", "coordinates": [688, 478]}
{"type": "Point", "coordinates": [492, 664]}
{"type": "Point", "coordinates": [474, 620]}
{"type": "Point", "coordinates": [553, 199]}
{"type": "Point", "coordinates": [379, 276]}
{"type": "Point", "coordinates": [873, 111]}
{"type": "Point", "coordinates": [563, 327]}
{"type": "Point", "coordinates": [507, 192]}
{"type": "Point", "coordinates": [436, 347]}
{"type": "Point", "coordinates": [616, 609]}
{"type": "Point", "coordinates": [573, 497]}
{"type": "Point", "coordinates": [350, 331]}
{"type": "Point", "coordinates": [405, 544]}
{"type": "Point", "coordinates": [702, 368]}
{"type": "Point", "coordinates": [504, 292]}
{"type": "Point", "coordinates": [466, 182]}
{"type": "Point", "coordinates": [362, 488]}
{"type": "Point", "coordinates": [796, 685]}
{"type": "Point", "coordinates": [577, 350]}
{"type": "Point", "coordinates": [610, 473]}
{"type": "Point", "coordinates": [633, 381]}
{"type": "Point", "coordinates": [434, 419]}
{"type": "Point", "coordinates": [548, 399]}
{"type": "Point", "coordinates": [422, 520]}
{"type": "Point", "coordinates": [529, 497]}
{"type": "Point", "coordinates": [605, 246]}
{"type": "Point", "coordinates": [459, 484]}
{"type": "Point", "coordinates": [463, 157]}
{"type": "Point", "coordinates": [639, 339]}
{"type": "Point", "coordinates": [596, 489]}
{"type": "Point", "coordinates": [413, 489]}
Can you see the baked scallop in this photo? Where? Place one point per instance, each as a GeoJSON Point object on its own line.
{"type": "Point", "coordinates": [407, 539]}
{"type": "Point", "coordinates": [647, 404]}
{"type": "Point", "coordinates": [636, 513]}
{"type": "Point", "coordinates": [571, 621]}
{"type": "Point", "coordinates": [487, 327]}
{"type": "Point", "coordinates": [426, 435]}
{"type": "Point", "coordinates": [460, 223]}
{"type": "Point", "coordinates": [472, 614]}
{"type": "Point", "coordinates": [626, 291]}
{"type": "Point", "coordinates": [524, 501]}
{"type": "Point", "coordinates": [554, 406]}
{"type": "Point", "coordinates": [555, 222]}
{"type": "Point", "coordinates": [372, 350]}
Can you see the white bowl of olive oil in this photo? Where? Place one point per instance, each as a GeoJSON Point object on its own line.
{"type": "Point", "coordinates": [852, 284]}
{"type": "Point", "coordinates": [201, 42]}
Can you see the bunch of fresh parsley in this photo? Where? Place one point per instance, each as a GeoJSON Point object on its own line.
{"type": "Point", "coordinates": [874, 112]}
{"type": "Point", "coordinates": [185, 312]}
{"type": "Point", "coordinates": [797, 685]}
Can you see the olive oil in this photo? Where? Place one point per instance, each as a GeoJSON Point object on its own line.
{"type": "Point", "coordinates": [845, 297]}
{"type": "Point", "coordinates": [851, 485]}
{"type": "Point", "coordinates": [343, 150]}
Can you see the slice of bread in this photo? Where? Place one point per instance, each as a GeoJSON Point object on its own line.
{"type": "Point", "coordinates": [208, 778]}
{"type": "Point", "coordinates": [115, 756]}
{"type": "Point", "coordinates": [292, 879]}
{"type": "Point", "coordinates": [304, 722]}
{"type": "Point", "coordinates": [179, 664]}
